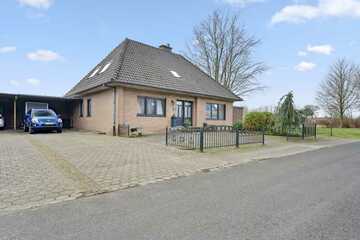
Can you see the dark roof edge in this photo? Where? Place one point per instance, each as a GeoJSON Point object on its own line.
{"type": "Point", "coordinates": [69, 93]}
{"type": "Point", "coordinates": [169, 90]}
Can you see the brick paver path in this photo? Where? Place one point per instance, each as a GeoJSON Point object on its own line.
{"type": "Point", "coordinates": [44, 168]}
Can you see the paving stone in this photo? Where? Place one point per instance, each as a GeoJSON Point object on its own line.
{"type": "Point", "coordinates": [45, 168]}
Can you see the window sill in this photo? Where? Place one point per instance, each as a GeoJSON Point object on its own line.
{"type": "Point", "coordinates": [158, 116]}
{"type": "Point", "coordinates": [209, 119]}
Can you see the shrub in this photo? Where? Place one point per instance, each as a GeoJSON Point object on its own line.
{"type": "Point", "coordinates": [259, 120]}
{"type": "Point", "coordinates": [357, 122]}
{"type": "Point", "coordinates": [238, 125]}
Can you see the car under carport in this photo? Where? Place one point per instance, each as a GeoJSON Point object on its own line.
{"type": "Point", "coordinates": [13, 107]}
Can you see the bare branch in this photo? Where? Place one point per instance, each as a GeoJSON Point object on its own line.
{"type": "Point", "coordinates": [224, 50]}
{"type": "Point", "coordinates": [339, 92]}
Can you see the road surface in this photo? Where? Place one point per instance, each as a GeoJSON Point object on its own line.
{"type": "Point", "coordinates": [314, 195]}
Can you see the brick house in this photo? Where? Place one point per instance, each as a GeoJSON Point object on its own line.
{"type": "Point", "coordinates": [153, 88]}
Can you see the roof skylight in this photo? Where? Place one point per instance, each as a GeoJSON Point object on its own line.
{"type": "Point", "coordinates": [175, 74]}
{"type": "Point", "coordinates": [106, 67]}
{"type": "Point", "coordinates": [94, 72]}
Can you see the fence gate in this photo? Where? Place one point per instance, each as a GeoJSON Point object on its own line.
{"type": "Point", "coordinates": [306, 130]}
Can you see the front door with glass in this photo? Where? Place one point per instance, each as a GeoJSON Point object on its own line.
{"type": "Point", "coordinates": [183, 113]}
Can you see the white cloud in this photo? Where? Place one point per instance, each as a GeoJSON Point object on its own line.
{"type": "Point", "coordinates": [298, 13]}
{"type": "Point", "coordinates": [15, 83]}
{"type": "Point", "coordinates": [326, 49]}
{"type": "Point", "coordinates": [33, 81]}
{"type": "Point", "coordinates": [242, 3]}
{"type": "Point", "coordinates": [7, 49]}
{"type": "Point", "coordinates": [41, 4]}
{"type": "Point", "coordinates": [302, 53]}
{"type": "Point", "coordinates": [43, 55]}
{"type": "Point", "coordinates": [305, 66]}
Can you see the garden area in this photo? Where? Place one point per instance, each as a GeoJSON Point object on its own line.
{"type": "Point", "coordinates": [349, 133]}
{"type": "Point", "coordinates": [289, 121]}
{"type": "Point", "coordinates": [285, 121]}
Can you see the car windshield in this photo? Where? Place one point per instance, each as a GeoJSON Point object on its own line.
{"type": "Point", "coordinates": [44, 113]}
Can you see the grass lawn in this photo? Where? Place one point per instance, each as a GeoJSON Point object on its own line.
{"type": "Point", "coordinates": [353, 133]}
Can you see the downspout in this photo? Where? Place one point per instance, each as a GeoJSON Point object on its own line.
{"type": "Point", "coordinates": [114, 108]}
{"type": "Point", "coordinates": [114, 111]}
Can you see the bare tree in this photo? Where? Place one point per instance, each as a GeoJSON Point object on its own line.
{"type": "Point", "coordinates": [357, 84]}
{"type": "Point", "coordinates": [223, 49]}
{"type": "Point", "coordinates": [338, 94]}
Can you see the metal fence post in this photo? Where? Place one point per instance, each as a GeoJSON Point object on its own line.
{"type": "Point", "coordinates": [237, 138]}
{"type": "Point", "coordinates": [263, 136]}
{"type": "Point", "coordinates": [166, 140]}
{"type": "Point", "coordinates": [202, 140]}
{"type": "Point", "coordinates": [331, 132]}
{"type": "Point", "coordinates": [315, 131]}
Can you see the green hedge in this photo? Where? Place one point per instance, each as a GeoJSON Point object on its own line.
{"type": "Point", "coordinates": [259, 120]}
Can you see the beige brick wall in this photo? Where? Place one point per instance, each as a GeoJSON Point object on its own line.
{"type": "Point", "coordinates": [127, 110]}
{"type": "Point", "coordinates": [101, 118]}
{"type": "Point", "coordinates": [201, 113]}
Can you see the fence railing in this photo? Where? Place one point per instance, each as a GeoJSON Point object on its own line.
{"type": "Point", "coordinates": [303, 131]}
{"type": "Point", "coordinates": [212, 137]}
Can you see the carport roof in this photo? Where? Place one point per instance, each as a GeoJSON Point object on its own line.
{"type": "Point", "coordinates": [16, 95]}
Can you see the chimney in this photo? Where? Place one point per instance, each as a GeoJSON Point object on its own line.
{"type": "Point", "coordinates": [165, 47]}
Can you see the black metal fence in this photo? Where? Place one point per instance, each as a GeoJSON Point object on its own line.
{"type": "Point", "coordinates": [303, 131]}
{"type": "Point", "coordinates": [212, 137]}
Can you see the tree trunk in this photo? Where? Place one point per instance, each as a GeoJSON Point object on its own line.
{"type": "Point", "coordinates": [341, 121]}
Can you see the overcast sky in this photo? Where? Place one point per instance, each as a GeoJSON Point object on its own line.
{"type": "Point", "coordinates": [46, 46]}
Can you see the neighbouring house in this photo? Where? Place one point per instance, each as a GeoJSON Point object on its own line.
{"type": "Point", "coordinates": [152, 88]}
{"type": "Point", "coordinates": [239, 114]}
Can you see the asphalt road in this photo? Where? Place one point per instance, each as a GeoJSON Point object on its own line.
{"type": "Point", "coordinates": [315, 195]}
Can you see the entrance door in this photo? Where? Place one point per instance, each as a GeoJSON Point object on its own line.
{"type": "Point", "coordinates": [183, 114]}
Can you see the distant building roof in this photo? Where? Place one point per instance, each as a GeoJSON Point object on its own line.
{"type": "Point", "coordinates": [135, 63]}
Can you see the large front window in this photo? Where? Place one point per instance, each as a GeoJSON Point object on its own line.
{"type": "Point", "coordinates": [151, 107]}
{"type": "Point", "coordinates": [215, 111]}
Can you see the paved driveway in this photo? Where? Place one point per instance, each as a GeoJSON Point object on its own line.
{"type": "Point", "coordinates": [45, 168]}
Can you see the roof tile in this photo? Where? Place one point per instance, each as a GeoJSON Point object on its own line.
{"type": "Point", "coordinates": [140, 64]}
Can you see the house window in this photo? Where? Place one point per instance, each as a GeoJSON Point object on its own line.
{"type": "Point", "coordinates": [89, 107]}
{"type": "Point", "coordinates": [81, 108]}
{"type": "Point", "coordinates": [151, 107]}
{"type": "Point", "coordinates": [215, 111]}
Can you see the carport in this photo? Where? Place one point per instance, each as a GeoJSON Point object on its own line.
{"type": "Point", "coordinates": [12, 107]}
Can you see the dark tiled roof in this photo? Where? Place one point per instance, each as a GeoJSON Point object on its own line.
{"type": "Point", "coordinates": [136, 63]}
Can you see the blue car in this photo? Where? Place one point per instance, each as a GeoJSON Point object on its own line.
{"type": "Point", "coordinates": [42, 120]}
